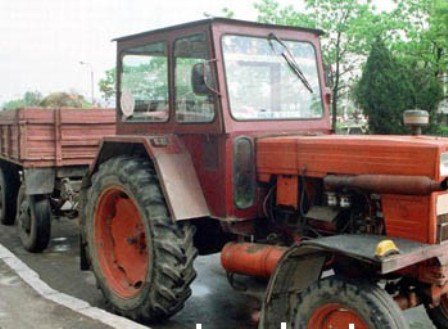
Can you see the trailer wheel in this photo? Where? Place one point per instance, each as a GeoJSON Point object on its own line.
{"type": "Point", "coordinates": [337, 303]}
{"type": "Point", "coordinates": [439, 314]}
{"type": "Point", "coordinates": [9, 184]}
{"type": "Point", "coordinates": [143, 261]}
{"type": "Point", "coordinates": [33, 221]}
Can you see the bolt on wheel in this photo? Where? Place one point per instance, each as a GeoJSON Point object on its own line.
{"type": "Point", "coordinates": [335, 315]}
{"type": "Point", "coordinates": [121, 242]}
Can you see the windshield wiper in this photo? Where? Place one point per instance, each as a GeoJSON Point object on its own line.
{"type": "Point", "coordinates": [290, 60]}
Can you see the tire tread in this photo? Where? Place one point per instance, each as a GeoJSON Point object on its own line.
{"type": "Point", "coordinates": [174, 251]}
{"type": "Point", "coordinates": [382, 311]}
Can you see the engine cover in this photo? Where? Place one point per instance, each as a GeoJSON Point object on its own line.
{"type": "Point", "coordinates": [318, 156]}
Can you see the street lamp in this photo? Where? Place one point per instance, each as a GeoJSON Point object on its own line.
{"type": "Point", "coordinates": [92, 81]}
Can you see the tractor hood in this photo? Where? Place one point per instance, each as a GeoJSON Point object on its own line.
{"type": "Point", "coordinates": [319, 156]}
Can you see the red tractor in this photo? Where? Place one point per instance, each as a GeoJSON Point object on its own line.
{"type": "Point", "coordinates": [224, 144]}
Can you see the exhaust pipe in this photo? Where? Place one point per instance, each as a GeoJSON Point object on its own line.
{"type": "Point", "coordinates": [386, 184]}
{"type": "Point", "coordinates": [259, 260]}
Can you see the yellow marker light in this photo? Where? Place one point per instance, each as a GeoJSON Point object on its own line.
{"type": "Point", "coordinates": [386, 248]}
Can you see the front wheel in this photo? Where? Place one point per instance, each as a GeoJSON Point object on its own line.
{"type": "Point", "coordinates": [33, 221]}
{"type": "Point", "coordinates": [439, 314]}
{"type": "Point", "coordinates": [142, 259]}
{"type": "Point", "coordinates": [341, 304]}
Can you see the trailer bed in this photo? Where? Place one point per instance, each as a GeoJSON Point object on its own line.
{"type": "Point", "coordinates": [38, 137]}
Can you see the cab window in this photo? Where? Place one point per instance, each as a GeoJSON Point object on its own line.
{"type": "Point", "coordinates": [144, 83]}
{"type": "Point", "coordinates": [191, 53]}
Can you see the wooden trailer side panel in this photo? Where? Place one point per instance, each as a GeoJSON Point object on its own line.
{"type": "Point", "coordinates": [79, 136]}
{"type": "Point", "coordinates": [9, 135]}
{"type": "Point", "coordinates": [36, 134]}
{"type": "Point", "coordinates": [36, 137]}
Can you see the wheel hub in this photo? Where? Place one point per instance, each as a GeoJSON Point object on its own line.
{"type": "Point", "coordinates": [120, 240]}
{"type": "Point", "coordinates": [335, 316]}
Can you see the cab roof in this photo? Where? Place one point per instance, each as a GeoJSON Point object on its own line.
{"type": "Point", "coordinates": [211, 21]}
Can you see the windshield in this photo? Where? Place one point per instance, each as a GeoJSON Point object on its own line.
{"type": "Point", "coordinates": [263, 86]}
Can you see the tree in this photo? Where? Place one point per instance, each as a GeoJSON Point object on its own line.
{"type": "Point", "coordinates": [107, 85]}
{"type": "Point", "coordinates": [426, 90]}
{"type": "Point", "coordinates": [435, 38]}
{"type": "Point", "coordinates": [135, 78]}
{"type": "Point", "coordinates": [439, 33]}
{"type": "Point", "coordinates": [351, 28]}
{"type": "Point", "coordinates": [415, 30]}
{"type": "Point", "coordinates": [64, 99]}
{"type": "Point", "coordinates": [384, 91]}
{"type": "Point", "coordinates": [30, 98]}
{"type": "Point", "coordinates": [55, 99]}
{"type": "Point", "coordinates": [425, 30]}
{"type": "Point", "coordinates": [423, 48]}
{"type": "Point", "coordinates": [227, 13]}
{"type": "Point", "coordinates": [389, 86]}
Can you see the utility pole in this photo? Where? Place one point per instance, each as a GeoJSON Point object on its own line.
{"type": "Point", "coordinates": [92, 81]}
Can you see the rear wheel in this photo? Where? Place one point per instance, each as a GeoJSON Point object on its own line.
{"type": "Point", "coordinates": [9, 184]}
{"type": "Point", "coordinates": [143, 261]}
{"type": "Point", "coordinates": [33, 221]}
{"type": "Point", "coordinates": [338, 303]}
{"type": "Point", "coordinates": [439, 314]}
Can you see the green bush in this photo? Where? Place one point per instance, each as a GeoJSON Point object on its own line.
{"type": "Point", "coordinates": [441, 130]}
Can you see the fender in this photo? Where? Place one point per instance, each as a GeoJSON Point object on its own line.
{"type": "Point", "coordinates": [174, 167]}
{"type": "Point", "coordinates": [303, 264]}
{"type": "Point", "coordinates": [299, 267]}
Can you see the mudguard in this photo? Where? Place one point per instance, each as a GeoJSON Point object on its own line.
{"type": "Point", "coordinates": [298, 269]}
{"type": "Point", "coordinates": [173, 164]}
{"type": "Point", "coordinates": [362, 247]}
{"type": "Point", "coordinates": [303, 264]}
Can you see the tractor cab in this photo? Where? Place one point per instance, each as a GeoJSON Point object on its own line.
{"type": "Point", "coordinates": [215, 86]}
{"type": "Point", "coordinates": [221, 76]}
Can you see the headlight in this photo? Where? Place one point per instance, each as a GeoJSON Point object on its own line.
{"type": "Point", "coordinates": [444, 164]}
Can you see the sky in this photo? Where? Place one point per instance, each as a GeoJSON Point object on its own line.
{"type": "Point", "coordinates": [43, 41]}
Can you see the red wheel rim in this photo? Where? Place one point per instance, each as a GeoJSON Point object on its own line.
{"type": "Point", "coordinates": [120, 241]}
{"type": "Point", "coordinates": [335, 316]}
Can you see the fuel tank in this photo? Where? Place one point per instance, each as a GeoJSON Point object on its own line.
{"type": "Point", "coordinates": [319, 156]}
{"type": "Point", "coordinates": [251, 259]}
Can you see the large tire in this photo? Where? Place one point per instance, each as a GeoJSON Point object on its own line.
{"type": "Point", "coordinates": [9, 186]}
{"type": "Point", "coordinates": [142, 259]}
{"type": "Point", "coordinates": [439, 314]}
{"type": "Point", "coordinates": [33, 221]}
{"type": "Point", "coordinates": [336, 303]}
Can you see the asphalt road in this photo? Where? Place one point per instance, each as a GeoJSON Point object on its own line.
{"type": "Point", "coordinates": [214, 303]}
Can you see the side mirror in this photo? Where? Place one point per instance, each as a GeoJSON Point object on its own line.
{"type": "Point", "coordinates": [198, 79]}
{"type": "Point", "coordinates": [202, 80]}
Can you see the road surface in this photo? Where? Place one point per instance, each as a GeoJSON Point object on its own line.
{"type": "Point", "coordinates": [214, 303]}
